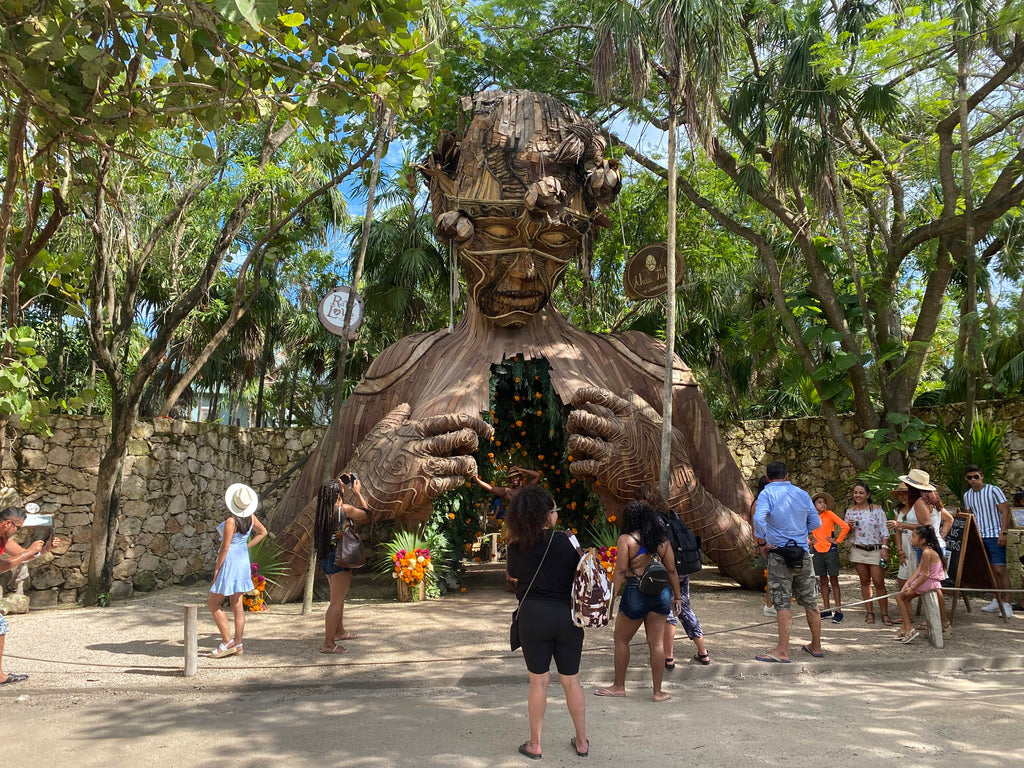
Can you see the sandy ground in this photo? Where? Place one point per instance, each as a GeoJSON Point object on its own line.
{"type": "Point", "coordinates": [434, 684]}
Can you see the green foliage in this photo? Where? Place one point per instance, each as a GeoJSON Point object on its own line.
{"type": "Point", "coordinates": [600, 533]}
{"type": "Point", "coordinates": [904, 431]}
{"type": "Point", "coordinates": [947, 446]}
{"type": "Point", "coordinates": [270, 559]}
{"type": "Point", "coordinates": [441, 576]}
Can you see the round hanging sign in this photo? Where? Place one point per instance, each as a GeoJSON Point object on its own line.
{"type": "Point", "coordinates": [331, 311]}
{"type": "Point", "coordinates": [646, 273]}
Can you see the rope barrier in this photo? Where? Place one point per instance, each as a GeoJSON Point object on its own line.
{"type": "Point", "coordinates": [448, 659]}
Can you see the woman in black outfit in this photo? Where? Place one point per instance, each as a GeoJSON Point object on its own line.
{"type": "Point", "coordinates": [545, 615]}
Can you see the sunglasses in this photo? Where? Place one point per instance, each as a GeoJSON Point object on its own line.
{"type": "Point", "coordinates": [974, 477]}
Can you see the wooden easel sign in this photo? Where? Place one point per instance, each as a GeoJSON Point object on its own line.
{"type": "Point", "coordinates": [968, 563]}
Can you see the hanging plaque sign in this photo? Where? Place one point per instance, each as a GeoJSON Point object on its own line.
{"type": "Point", "coordinates": [331, 311]}
{"type": "Point", "coordinates": [646, 273]}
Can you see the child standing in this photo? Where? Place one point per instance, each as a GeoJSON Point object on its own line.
{"type": "Point", "coordinates": [232, 575]}
{"type": "Point", "coordinates": [926, 578]}
{"type": "Point", "coordinates": [825, 554]}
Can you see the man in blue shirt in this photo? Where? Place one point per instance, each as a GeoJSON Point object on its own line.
{"type": "Point", "coordinates": [783, 521]}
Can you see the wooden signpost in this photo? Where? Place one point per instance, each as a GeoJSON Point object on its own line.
{"type": "Point", "coordinates": [968, 561]}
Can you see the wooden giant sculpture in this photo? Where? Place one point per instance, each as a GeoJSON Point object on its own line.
{"type": "Point", "coordinates": [516, 194]}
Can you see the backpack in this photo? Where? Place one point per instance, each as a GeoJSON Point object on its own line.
{"type": "Point", "coordinates": [685, 546]}
{"type": "Point", "coordinates": [591, 590]}
{"type": "Point", "coordinates": [654, 578]}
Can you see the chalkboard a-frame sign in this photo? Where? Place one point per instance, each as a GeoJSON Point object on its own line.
{"type": "Point", "coordinates": [968, 561]}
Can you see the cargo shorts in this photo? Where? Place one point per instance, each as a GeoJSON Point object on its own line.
{"type": "Point", "coordinates": [784, 584]}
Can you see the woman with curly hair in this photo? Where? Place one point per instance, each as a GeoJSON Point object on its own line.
{"type": "Point", "coordinates": [331, 513]}
{"type": "Point", "coordinates": [643, 539]}
{"type": "Point", "coordinates": [543, 563]}
{"type": "Point", "coordinates": [687, 617]}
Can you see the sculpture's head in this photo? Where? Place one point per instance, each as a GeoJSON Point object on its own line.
{"type": "Point", "coordinates": [516, 193]}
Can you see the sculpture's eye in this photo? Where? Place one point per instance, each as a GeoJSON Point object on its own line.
{"type": "Point", "coordinates": [499, 232]}
{"type": "Point", "coordinates": [555, 239]}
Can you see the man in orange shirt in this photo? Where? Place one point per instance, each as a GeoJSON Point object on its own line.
{"type": "Point", "coordinates": [825, 552]}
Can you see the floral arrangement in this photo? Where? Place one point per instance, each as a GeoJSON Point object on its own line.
{"type": "Point", "coordinates": [606, 556]}
{"type": "Point", "coordinates": [253, 599]}
{"type": "Point", "coordinates": [411, 567]}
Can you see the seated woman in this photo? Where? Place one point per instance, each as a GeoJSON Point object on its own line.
{"type": "Point", "coordinates": [543, 563]}
{"type": "Point", "coordinates": [927, 578]}
{"type": "Point", "coordinates": [643, 538]}
{"type": "Point", "coordinates": [331, 513]}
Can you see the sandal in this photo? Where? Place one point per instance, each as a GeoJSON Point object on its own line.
{"type": "Point", "coordinates": [670, 662]}
{"type": "Point", "coordinates": [224, 649]}
{"type": "Point", "coordinates": [869, 617]}
{"type": "Point", "coordinates": [887, 620]}
{"type": "Point", "coordinates": [703, 658]}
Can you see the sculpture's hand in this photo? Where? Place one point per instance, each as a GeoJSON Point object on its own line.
{"type": "Point", "coordinates": [614, 440]}
{"type": "Point", "coordinates": [402, 464]}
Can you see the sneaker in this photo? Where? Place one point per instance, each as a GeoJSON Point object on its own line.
{"type": "Point", "coordinates": [769, 610]}
{"type": "Point", "coordinates": [1008, 609]}
{"type": "Point", "coordinates": [992, 607]}
{"type": "Point", "coordinates": [837, 617]}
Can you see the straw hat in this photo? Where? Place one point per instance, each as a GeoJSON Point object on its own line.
{"type": "Point", "coordinates": [894, 494]}
{"type": "Point", "coordinates": [918, 478]}
{"type": "Point", "coordinates": [830, 503]}
{"type": "Point", "coordinates": [241, 500]}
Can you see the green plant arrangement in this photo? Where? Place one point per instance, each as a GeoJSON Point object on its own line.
{"type": "Point", "coordinates": [415, 557]}
{"type": "Point", "coordinates": [269, 557]}
{"type": "Point", "coordinates": [600, 533]}
{"type": "Point", "coordinates": [946, 444]}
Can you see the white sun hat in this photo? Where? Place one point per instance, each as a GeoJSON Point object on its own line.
{"type": "Point", "coordinates": [919, 479]}
{"type": "Point", "coordinates": [241, 500]}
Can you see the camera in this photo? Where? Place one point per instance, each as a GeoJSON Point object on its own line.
{"type": "Point", "coordinates": [347, 478]}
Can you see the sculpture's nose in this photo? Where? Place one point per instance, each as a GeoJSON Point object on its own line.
{"type": "Point", "coordinates": [523, 267]}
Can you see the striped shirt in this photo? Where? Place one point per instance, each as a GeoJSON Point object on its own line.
{"type": "Point", "coordinates": [983, 504]}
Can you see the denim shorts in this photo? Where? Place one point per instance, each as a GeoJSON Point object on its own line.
{"type": "Point", "coordinates": [4, 626]}
{"type": "Point", "coordinates": [328, 567]}
{"type": "Point", "coordinates": [996, 554]}
{"type": "Point", "coordinates": [635, 604]}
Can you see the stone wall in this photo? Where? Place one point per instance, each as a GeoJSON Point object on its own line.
{"type": "Point", "coordinates": [175, 476]}
{"type": "Point", "coordinates": [177, 471]}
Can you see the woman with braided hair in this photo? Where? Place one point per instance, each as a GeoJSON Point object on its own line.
{"type": "Point", "coordinates": [331, 514]}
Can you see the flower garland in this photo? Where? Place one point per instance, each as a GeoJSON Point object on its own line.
{"type": "Point", "coordinates": [606, 556]}
{"type": "Point", "coordinates": [411, 567]}
{"type": "Point", "coordinates": [253, 599]}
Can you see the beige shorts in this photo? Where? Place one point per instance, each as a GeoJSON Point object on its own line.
{"type": "Point", "coordinates": [784, 584]}
{"type": "Point", "coordinates": [874, 557]}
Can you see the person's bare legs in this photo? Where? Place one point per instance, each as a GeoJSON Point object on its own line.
{"type": "Point", "coordinates": [334, 628]}
{"type": "Point", "coordinates": [215, 604]}
{"type": "Point", "coordinates": [1002, 580]}
{"type": "Point", "coordinates": [577, 705]}
{"type": "Point", "coordinates": [654, 629]}
{"type": "Point", "coordinates": [625, 628]}
{"type": "Point", "coordinates": [2, 673]}
{"type": "Point", "coordinates": [784, 621]}
{"type": "Point", "coordinates": [906, 620]}
{"type": "Point", "coordinates": [701, 649]}
{"type": "Point", "coordinates": [669, 642]}
{"type": "Point", "coordinates": [878, 579]}
{"type": "Point", "coordinates": [238, 611]}
{"type": "Point", "coordinates": [836, 593]}
{"type": "Point", "coordinates": [536, 704]}
{"type": "Point", "coordinates": [864, 575]}
{"type": "Point", "coordinates": [813, 624]}
{"type": "Point", "coordinates": [823, 587]}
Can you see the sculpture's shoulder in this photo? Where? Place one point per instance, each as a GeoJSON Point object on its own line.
{"type": "Point", "coordinates": [647, 353]}
{"type": "Point", "coordinates": [400, 359]}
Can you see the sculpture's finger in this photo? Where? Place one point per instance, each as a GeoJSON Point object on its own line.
{"type": "Point", "coordinates": [442, 484]}
{"type": "Point", "coordinates": [589, 446]}
{"type": "Point", "coordinates": [584, 423]}
{"type": "Point", "coordinates": [464, 466]}
{"type": "Point", "coordinates": [450, 422]}
{"type": "Point", "coordinates": [598, 410]}
{"type": "Point", "coordinates": [449, 443]}
{"type": "Point", "coordinates": [601, 397]}
{"type": "Point", "coordinates": [586, 469]}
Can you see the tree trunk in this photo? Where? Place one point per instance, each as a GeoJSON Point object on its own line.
{"type": "Point", "coordinates": [670, 297]}
{"type": "Point", "coordinates": [973, 328]}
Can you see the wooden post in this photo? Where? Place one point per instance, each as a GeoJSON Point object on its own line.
{"type": "Point", "coordinates": [930, 601]}
{"type": "Point", "coordinates": [494, 547]}
{"type": "Point", "coordinates": [191, 640]}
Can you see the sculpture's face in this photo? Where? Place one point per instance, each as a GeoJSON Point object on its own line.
{"type": "Point", "coordinates": [513, 263]}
